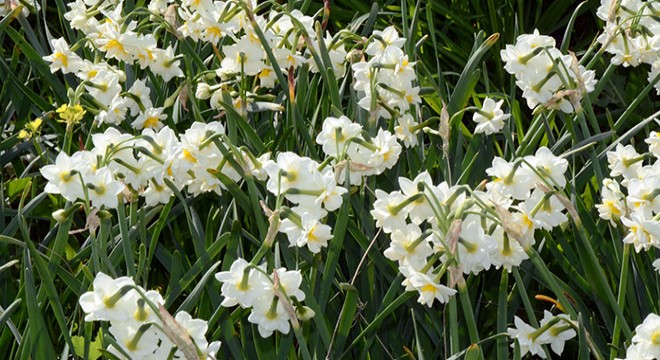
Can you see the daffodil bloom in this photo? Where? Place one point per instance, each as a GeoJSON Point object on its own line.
{"type": "Point", "coordinates": [110, 299]}
{"type": "Point", "coordinates": [490, 118]}
{"type": "Point", "coordinates": [647, 337]}
{"type": "Point", "coordinates": [63, 58]}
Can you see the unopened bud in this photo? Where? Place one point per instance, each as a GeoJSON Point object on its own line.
{"type": "Point", "coordinates": [305, 313]}
{"type": "Point", "coordinates": [59, 215]}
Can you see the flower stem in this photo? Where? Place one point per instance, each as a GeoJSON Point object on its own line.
{"type": "Point", "coordinates": [620, 301]}
{"type": "Point", "coordinates": [469, 313]}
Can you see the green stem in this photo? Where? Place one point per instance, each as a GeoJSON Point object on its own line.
{"type": "Point", "coordinates": [454, 345]}
{"type": "Point", "coordinates": [520, 284]}
{"type": "Point", "coordinates": [623, 283]}
{"type": "Point", "coordinates": [469, 313]}
{"type": "Point", "coordinates": [502, 317]}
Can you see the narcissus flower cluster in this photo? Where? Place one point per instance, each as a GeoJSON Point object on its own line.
{"type": "Point", "coordinates": [546, 76]}
{"type": "Point", "coordinates": [631, 196]}
{"type": "Point", "coordinates": [118, 42]}
{"type": "Point", "coordinates": [151, 165]}
{"type": "Point", "coordinates": [139, 324]}
{"type": "Point", "coordinates": [632, 34]}
{"type": "Point", "coordinates": [435, 227]}
{"type": "Point", "coordinates": [387, 83]}
{"type": "Point", "coordinates": [290, 36]}
{"type": "Point", "coordinates": [274, 298]}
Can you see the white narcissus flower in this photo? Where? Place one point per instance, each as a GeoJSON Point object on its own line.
{"type": "Point", "coordinates": [63, 176]}
{"type": "Point", "coordinates": [244, 56]}
{"type": "Point", "coordinates": [387, 152]}
{"type": "Point", "coordinates": [115, 114]}
{"type": "Point", "coordinates": [389, 211]}
{"type": "Point", "coordinates": [331, 196]}
{"type": "Point", "coordinates": [110, 300]}
{"type": "Point", "coordinates": [311, 232]}
{"type": "Point", "coordinates": [474, 248]}
{"type": "Point", "coordinates": [643, 233]}
{"type": "Point", "coordinates": [242, 285]}
{"type": "Point", "coordinates": [407, 130]}
{"type": "Point", "coordinates": [151, 118]}
{"type": "Point", "coordinates": [166, 64]}
{"type": "Point", "coordinates": [624, 161]}
{"type": "Point", "coordinates": [63, 58]}
{"type": "Point", "coordinates": [139, 342]}
{"type": "Point", "coordinates": [335, 133]}
{"type": "Point", "coordinates": [143, 312]}
{"type": "Point", "coordinates": [527, 339]}
{"type": "Point", "coordinates": [634, 352]}
{"type": "Point", "coordinates": [141, 92]}
{"type": "Point", "coordinates": [104, 87]}
{"type": "Point", "coordinates": [157, 193]}
{"type": "Point", "coordinates": [559, 333]}
{"type": "Point", "coordinates": [269, 315]}
{"type": "Point", "coordinates": [196, 328]}
{"type": "Point", "coordinates": [642, 193]}
{"type": "Point", "coordinates": [409, 246]}
{"type": "Point", "coordinates": [656, 265]}
{"type": "Point", "coordinates": [289, 171]}
{"type": "Point", "coordinates": [490, 118]}
{"type": "Point", "coordinates": [511, 179]}
{"type": "Point", "coordinates": [647, 337]}
{"type": "Point", "coordinates": [103, 189]}
{"type": "Point", "coordinates": [549, 166]}
{"type": "Point", "coordinates": [613, 206]}
{"type": "Point", "coordinates": [654, 140]}
{"type": "Point", "coordinates": [387, 37]}
{"type": "Point", "coordinates": [426, 193]}
{"type": "Point", "coordinates": [428, 288]}
{"type": "Point", "coordinates": [544, 209]}
{"type": "Point", "coordinates": [508, 253]}
{"type": "Point", "coordinates": [289, 283]}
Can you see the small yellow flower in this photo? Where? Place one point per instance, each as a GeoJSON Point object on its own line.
{"type": "Point", "coordinates": [70, 114]}
{"type": "Point", "coordinates": [34, 125]}
{"type": "Point", "coordinates": [32, 128]}
{"type": "Point", "coordinates": [24, 135]}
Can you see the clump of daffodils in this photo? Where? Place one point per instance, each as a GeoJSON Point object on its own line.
{"type": "Point", "coordinates": [274, 298]}
{"type": "Point", "coordinates": [631, 196]}
{"type": "Point", "coordinates": [313, 189]}
{"type": "Point", "coordinates": [291, 36]}
{"type": "Point", "coordinates": [632, 34]}
{"type": "Point", "coordinates": [434, 226]}
{"type": "Point", "coordinates": [139, 324]}
{"type": "Point", "coordinates": [118, 42]}
{"type": "Point", "coordinates": [547, 77]}
{"type": "Point", "coordinates": [386, 82]}
{"type": "Point", "coordinates": [151, 165]}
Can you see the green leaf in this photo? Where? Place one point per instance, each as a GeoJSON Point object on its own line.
{"type": "Point", "coordinates": [95, 346]}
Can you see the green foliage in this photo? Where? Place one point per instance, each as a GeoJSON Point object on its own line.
{"type": "Point", "coordinates": [361, 309]}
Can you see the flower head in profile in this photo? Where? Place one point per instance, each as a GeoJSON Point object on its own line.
{"type": "Point", "coordinates": [559, 333]}
{"type": "Point", "coordinates": [528, 338]}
